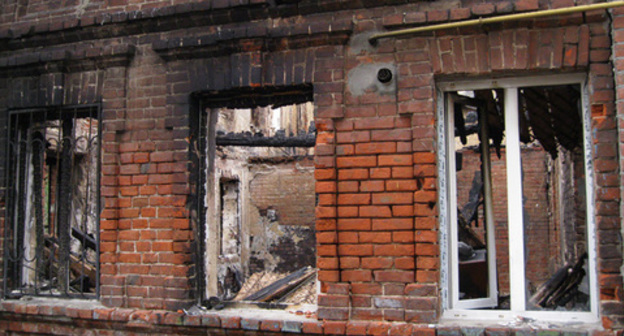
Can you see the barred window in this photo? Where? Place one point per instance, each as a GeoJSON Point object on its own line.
{"type": "Point", "coordinates": [52, 208]}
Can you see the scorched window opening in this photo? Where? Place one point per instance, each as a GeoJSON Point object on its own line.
{"type": "Point", "coordinates": [52, 209]}
{"type": "Point", "coordinates": [257, 197]}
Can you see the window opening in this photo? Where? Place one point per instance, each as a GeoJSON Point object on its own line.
{"type": "Point", "coordinates": [259, 168]}
{"type": "Point", "coordinates": [52, 211]}
{"type": "Point", "coordinates": [518, 201]}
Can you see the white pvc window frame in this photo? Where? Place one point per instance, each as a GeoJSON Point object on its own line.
{"type": "Point", "coordinates": [492, 299]}
{"type": "Point", "coordinates": [452, 308]}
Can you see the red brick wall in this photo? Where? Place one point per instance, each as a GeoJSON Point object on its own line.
{"type": "Point", "coordinates": [376, 172]}
{"type": "Point", "coordinates": [287, 188]}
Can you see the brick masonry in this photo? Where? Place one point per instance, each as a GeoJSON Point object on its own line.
{"type": "Point", "coordinates": [376, 161]}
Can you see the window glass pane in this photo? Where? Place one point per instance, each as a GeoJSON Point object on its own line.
{"type": "Point", "coordinates": [554, 201]}
{"type": "Point", "coordinates": [481, 194]}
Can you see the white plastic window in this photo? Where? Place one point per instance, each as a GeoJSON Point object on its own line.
{"type": "Point", "coordinates": [517, 202]}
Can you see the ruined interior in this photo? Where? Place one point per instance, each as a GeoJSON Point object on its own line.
{"type": "Point", "coordinates": [552, 169]}
{"type": "Point", "coordinates": [260, 202]}
{"type": "Point", "coordinates": [53, 208]}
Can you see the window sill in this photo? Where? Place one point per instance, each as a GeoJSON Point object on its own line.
{"type": "Point", "coordinates": [497, 319]}
{"type": "Point", "coordinates": [297, 319]}
{"type": "Point", "coordinates": [254, 311]}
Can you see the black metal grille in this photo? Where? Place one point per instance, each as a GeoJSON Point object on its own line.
{"type": "Point", "coordinates": [52, 202]}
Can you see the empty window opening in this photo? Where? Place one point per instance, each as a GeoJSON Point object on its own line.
{"type": "Point", "coordinates": [259, 202]}
{"type": "Point", "coordinates": [52, 210]}
{"type": "Point", "coordinates": [517, 200]}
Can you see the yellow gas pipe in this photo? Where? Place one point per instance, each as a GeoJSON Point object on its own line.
{"type": "Point", "coordinates": [510, 17]}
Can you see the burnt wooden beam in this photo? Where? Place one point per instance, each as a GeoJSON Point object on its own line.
{"type": "Point", "coordinates": [258, 140]}
{"type": "Point", "coordinates": [280, 287]}
{"type": "Point", "coordinates": [562, 286]}
{"type": "Point", "coordinates": [85, 239]}
{"type": "Point", "coordinates": [65, 197]}
{"type": "Point", "coordinates": [77, 266]}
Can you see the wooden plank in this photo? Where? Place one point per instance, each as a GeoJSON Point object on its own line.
{"type": "Point", "coordinates": [282, 286]}
{"type": "Point", "coordinates": [76, 265]}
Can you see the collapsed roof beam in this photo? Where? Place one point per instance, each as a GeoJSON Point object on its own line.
{"type": "Point", "coordinates": [256, 140]}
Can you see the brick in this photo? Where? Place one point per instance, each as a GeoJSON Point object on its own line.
{"type": "Point", "coordinates": [389, 224]}
{"type": "Point", "coordinates": [353, 137]}
{"type": "Point", "coordinates": [352, 174]}
{"type": "Point", "coordinates": [375, 211]}
{"type": "Point", "coordinates": [424, 158]}
{"type": "Point", "coordinates": [395, 160]}
{"type": "Point", "coordinates": [427, 276]}
{"type": "Point", "coordinates": [392, 198]}
{"type": "Point", "coordinates": [376, 263]}
{"type": "Point", "coordinates": [325, 174]}
{"type": "Point", "coordinates": [391, 135]}
{"type": "Point", "coordinates": [326, 237]}
{"type": "Point", "coordinates": [374, 123]}
{"type": "Point", "coordinates": [354, 199]}
{"type": "Point", "coordinates": [459, 14]}
{"type": "Point", "coordinates": [326, 187]}
{"type": "Point", "coordinates": [334, 328]}
{"type": "Point", "coordinates": [394, 250]}
{"type": "Point", "coordinates": [355, 224]}
{"type": "Point", "coordinates": [348, 237]}
{"type": "Point", "coordinates": [375, 148]}
{"type": "Point", "coordinates": [333, 300]}
{"type": "Point", "coordinates": [327, 263]}
{"type": "Point", "coordinates": [423, 196]}
{"type": "Point", "coordinates": [401, 185]}
{"type": "Point", "coordinates": [371, 186]}
{"type": "Point", "coordinates": [402, 172]}
{"type": "Point", "coordinates": [429, 303]}
{"type": "Point", "coordinates": [349, 262]}
{"type": "Point", "coordinates": [437, 15]}
{"type": "Point", "coordinates": [348, 211]}
{"type": "Point", "coordinates": [403, 211]}
{"type": "Point", "coordinates": [526, 5]}
{"type": "Point", "coordinates": [345, 150]}
{"type": "Point", "coordinates": [335, 288]}
{"type": "Point", "coordinates": [312, 327]}
{"type": "Point", "coordinates": [325, 212]}
{"type": "Point", "coordinates": [355, 249]}
{"type": "Point", "coordinates": [483, 9]}
{"type": "Point", "coordinates": [250, 324]}
{"type": "Point", "coordinates": [381, 173]}
{"type": "Point", "coordinates": [375, 237]}
{"type": "Point", "coordinates": [404, 263]}
{"type": "Point", "coordinates": [394, 276]}
{"type": "Point", "coordinates": [423, 236]}
{"type": "Point", "coordinates": [356, 161]}
{"type": "Point", "coordinates": [324, 275]}
{"type": "Point", "coordinates": [326, 199]}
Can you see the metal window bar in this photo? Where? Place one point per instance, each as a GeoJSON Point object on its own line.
{"type": "Point", "coordinates": [52, 209]}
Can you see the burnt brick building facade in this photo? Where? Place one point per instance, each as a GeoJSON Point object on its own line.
{"type": "Point", "coordinates": [158, 155]}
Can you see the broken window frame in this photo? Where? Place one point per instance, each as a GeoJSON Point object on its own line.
{"type": "Point", "coordinates": [18, 202]}
{"type": "Point", "coordinates": [451, 306]}
{"type": "Point", "coordinates": [205, 106]}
